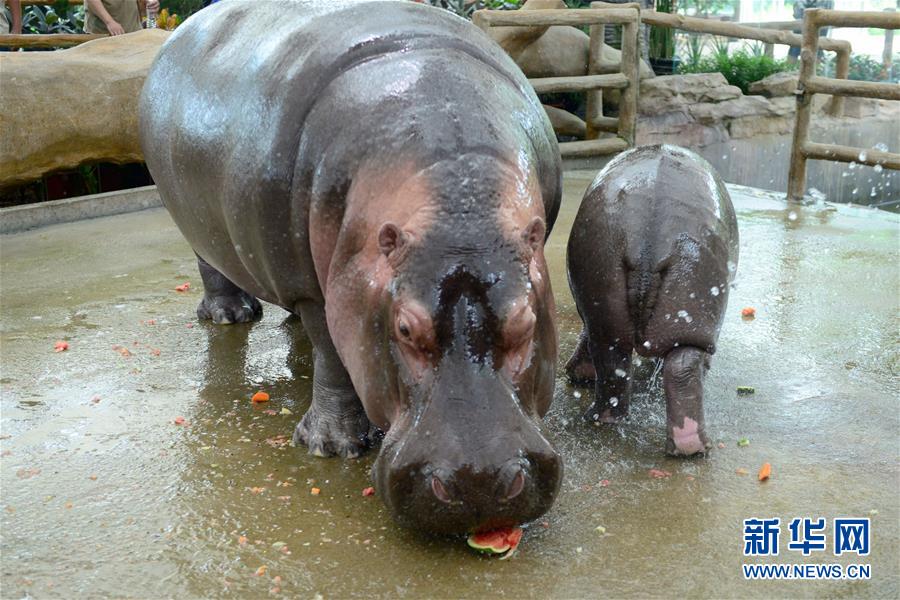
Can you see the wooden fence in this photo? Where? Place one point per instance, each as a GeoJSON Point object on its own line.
{"type": "Point", "coordinates": [811, 84]}
{"type": "Point", "coordinates": [625, 79]}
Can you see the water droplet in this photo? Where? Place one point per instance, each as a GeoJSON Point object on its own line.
{"type": "Point", "coordinates": [714, 290]}
{"type": "Point", "coordinates": [854, 190]}
{"type": "Point", "coordinates": [852, 166]}
{"type": "Point", "coordinates": [682, 313]}
{"type": "Point", "coordinates": [878, 168]}
{"type": "Point", "coordinates": [862, 156]}
{"type": "Point", "coordinates": [880, 146]}
{"type": "Point", "coordinates": [577, 394]}
{"type": "Point", "coordinates": [620, 373]}
{"type": "Point", "coordinates": [613, 401]}
{"type": "Point", "coordinates": [792, 216]}
{"type": "Point", "coordinates": [731, 267]}
{"type": "Point", "coordinates": [647, 345]}
{"type": "Point", "coordinates": [693, 295]}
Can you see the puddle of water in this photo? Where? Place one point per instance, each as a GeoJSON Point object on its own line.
{"type": "Point", "coordinates": [102, 494]}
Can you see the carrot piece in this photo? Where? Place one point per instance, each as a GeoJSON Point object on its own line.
{"type": "Point", "coordinates": [369, 491]}
{"type": "Point", "coordinates": [315, 491]}
{"type": "Point", "coordinates": [748, 312]}
{"type": "Point", "coordinates": [765, 471]}
{"type": "Point", "coordinates": [183, 287]}
{"type": "Point", "coordinates": [60, 346]}
{"type": "Point", "coordinates": [179, 421]}
{"type": "Point", "coordinates": [260, 397]}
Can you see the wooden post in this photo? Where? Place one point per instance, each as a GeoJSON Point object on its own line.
{"type": "Point", "coordinates": [630, 62]}
{"type": "Point", "coordinates": [594, 105]}
{"type": "Point", "coordinates": [770, 50]}
{"type": "Point", "coordinates": [48, 40]}
{"type": "Point", "coordinates": [887, 53]}
{"type": "Point", "coordinates": [841, 71]}
{"type": "Point", "coordinates": [808, 51]}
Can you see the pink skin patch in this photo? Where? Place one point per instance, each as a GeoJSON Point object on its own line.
{"type": "Point", "coordinates": [687, 438]}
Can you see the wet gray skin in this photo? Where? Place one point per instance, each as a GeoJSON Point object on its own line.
{"type": "Point", "coordinates": [164, 515]}
{"type": "Point", "coordinates": [651, 257]}
{"type": "Point", "coordinates": [385, 172]}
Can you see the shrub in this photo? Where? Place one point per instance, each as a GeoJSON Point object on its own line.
{"type": "Point", "coordinates": [863, 68]}
{"type": "Point", "coordinates": [740, 68]}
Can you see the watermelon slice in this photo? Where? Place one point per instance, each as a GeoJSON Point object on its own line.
{"type": "Point", "coordinates": [498, 541]}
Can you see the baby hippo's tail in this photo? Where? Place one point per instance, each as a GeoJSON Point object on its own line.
{"type": "Point", "coordinates": [643, 281]}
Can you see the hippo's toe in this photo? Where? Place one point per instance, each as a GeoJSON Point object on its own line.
{"type": "Point", "coordinates": [225, 310]}
{"type": "Point", "coordinates": [325, 435]}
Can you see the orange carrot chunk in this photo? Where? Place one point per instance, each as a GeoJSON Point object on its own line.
{"type": "Point", "coordinates": [748, 312]}
{"type": "Point", "coordinates": [765, 471]}
{"type": "Point", "coordinates": [260, 397]}
{"type": "Point", "coordinates": [60, 346]}
{"type": "Point", "coordinates": [183, 287]}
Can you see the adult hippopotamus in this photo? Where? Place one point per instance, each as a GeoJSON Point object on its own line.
{"type": "Point", "coordinates": [384, 171]}
{"type": "Point", "coordinates": [651, 255]}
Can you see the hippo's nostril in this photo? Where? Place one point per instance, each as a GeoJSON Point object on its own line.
{"type": "Point", "coordinates": [516, 485]}
{"type": "Point", "coordinates": [439, 490]}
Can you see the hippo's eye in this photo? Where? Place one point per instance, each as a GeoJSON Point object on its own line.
{"type": "Point", "coordinates": [404, 330]}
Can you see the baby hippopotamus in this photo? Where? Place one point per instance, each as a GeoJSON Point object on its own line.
{"type": "Point", "coordinates": [651, 255]}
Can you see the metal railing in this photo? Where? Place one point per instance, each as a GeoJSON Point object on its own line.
{"type": "Point", "coordinates": [625, 78]}
{"type": "Point", "coordinates": [810, 84]}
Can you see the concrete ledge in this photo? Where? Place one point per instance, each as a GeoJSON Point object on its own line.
{"type": "Point", "coordinates": [41, 214]}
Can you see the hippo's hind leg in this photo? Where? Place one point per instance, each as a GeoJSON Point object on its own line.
{"type": "Point", "coordinates": [223, 302]}
{"type": "Point", "coordinates": [580, 368]}
{"type": "Point", "coordinates": [612, 363]}
{"type": "Point", "coordinates": [336, 423]}
{"type": "Point", "coordinates": [683, 374]}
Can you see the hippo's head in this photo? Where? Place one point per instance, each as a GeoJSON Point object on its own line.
{"type": "Point", "coordinates": [466, 341]}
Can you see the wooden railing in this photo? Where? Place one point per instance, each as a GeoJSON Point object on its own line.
{"type": "Point", "coordinates": [770, 36]}
{"type": "Point", "coordinates": [625, 79]}
{"type": "Point", "coordinates": [811, 84]}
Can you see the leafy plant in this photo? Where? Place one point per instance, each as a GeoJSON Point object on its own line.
{"type": "Point", "coordinates": [185, 8]}
{"type": "Point", "coordinates": [703, 8]}
{"type": "Point", "coordinates": [740, 68]}
{"type": "Point", "coordinates": [662, 39]}
{"type": "Point", "coordinates": [692, 52]}
{"type": "Point", "coordinates": [863, 68]}
{"type": "Point", "coordinates": [465, 8]}
{"type": "Point", "coordinates": [59, 18]}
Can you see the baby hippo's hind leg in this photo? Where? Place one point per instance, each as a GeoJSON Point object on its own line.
{"type": "Point", "coordinates": [613, 385]}
{"type": "Point", "coordinates": [580, 368]}
{"type": "Point", "coordinates": [223, 302]}
{"type": "Point", "coordinates": [683, 374]}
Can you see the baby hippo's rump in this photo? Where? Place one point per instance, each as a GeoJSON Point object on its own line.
{"type": "Point", "coordinates": [651, 255]}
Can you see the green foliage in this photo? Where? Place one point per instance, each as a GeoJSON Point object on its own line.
{"type": "Point", "coordinates": [740, 68]}
{"type": "Point", "coordinates": [863, 68]}
{"type": "Point", "coordinates": [662, 39]}
{"type": "Point", "coordinates": [183, 8]}
{"type": "Point", "coordinates": [465, 8]}
{"type": "Point", "coordinates": [703, 8]}
{"type": "Point", "coordinates": [59, 18]}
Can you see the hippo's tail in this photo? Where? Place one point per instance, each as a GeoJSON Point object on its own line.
{"type": "Point", "coordinates": [643, 282]}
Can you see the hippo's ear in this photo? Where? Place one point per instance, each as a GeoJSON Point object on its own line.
{"type": "Point", "coordinates": [534, 234]}
{"type": "Point", "coordinates": [391, 239]}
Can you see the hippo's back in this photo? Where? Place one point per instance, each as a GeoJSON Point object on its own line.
{"type": "Point", "coordinates": [223, 112]}
{"type": "Point", "coordinates": [663, 224]}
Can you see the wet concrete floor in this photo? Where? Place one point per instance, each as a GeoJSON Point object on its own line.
{"type": "Point", "coordinates": [103, 495]}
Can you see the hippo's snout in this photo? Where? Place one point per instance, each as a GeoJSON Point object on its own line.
{"type": "Point", "coordinates": [475, 495]}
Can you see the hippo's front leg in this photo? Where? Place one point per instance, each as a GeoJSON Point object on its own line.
{"type": "Point", "coordinates": [683, 374]}
{"type": "Point", "coordinates": [335, 423]}
{"type": "Point", "coordinates": [223, 302]}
